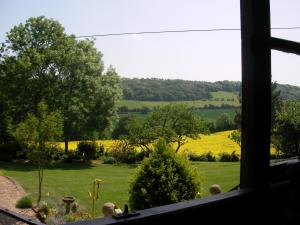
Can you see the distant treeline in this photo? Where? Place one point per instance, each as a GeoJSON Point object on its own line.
{"type": "Point", "coordinates": [182, 90]}
{"type": "Point", "coordinates": [145, 109]}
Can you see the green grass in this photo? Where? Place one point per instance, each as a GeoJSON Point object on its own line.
{"type": "Point", "coordinates": [76, 179]}
{"type": "Point", "coordinates": [214, 114]}
{"type": "Point", "coordinates": [133, 104]}
{"type": "Point", "coordinates": [224, 94]}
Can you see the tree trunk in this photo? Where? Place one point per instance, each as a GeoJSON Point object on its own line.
{"type": "Point", "coordinates": [147, 148]}
{"type": "Point", "coordinates": [66, 145]}
{"type": "Point", "coordinates": [178, 147]}
{"type": "Point", "coordinates": [40, 175]}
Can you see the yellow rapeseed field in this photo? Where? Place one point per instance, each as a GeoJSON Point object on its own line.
{"type": "Point", "coordinates": [215, 143]}
{"type": "Point", "coordinates": [73, 144]}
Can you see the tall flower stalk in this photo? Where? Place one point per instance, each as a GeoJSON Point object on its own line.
{"type": "Point", "coordinates": [95, 195]}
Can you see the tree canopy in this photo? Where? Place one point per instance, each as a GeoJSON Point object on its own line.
{"type": "Point", "coordinates": [40, 61]}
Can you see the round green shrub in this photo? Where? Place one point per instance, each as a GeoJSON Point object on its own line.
{"type": "Point", "coordinates": [24, 203]}
{"type": "Point", "coordinates": [163, 178]}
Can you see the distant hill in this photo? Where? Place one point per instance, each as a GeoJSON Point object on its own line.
{"type": "Point", "coordinates": [289, 91]}
{"type": "Point", "coordinates": [154, 89]}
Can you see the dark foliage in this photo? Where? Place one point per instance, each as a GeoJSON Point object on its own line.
{"type": "Point", "coordinates": [227, 157]}
{"type": "Point", "coordinates": [224, 122]}
{"type": "Point", "coordinates": [10, 149]}
{"type": "Point", "coordinates": [121, 127]}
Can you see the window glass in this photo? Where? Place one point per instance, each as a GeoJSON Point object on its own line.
{"type": "Point", "coordinates": [285, 105]}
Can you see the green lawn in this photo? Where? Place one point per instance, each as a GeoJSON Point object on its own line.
{"type": "Point", "coordinates": [224, 94]}
{"type": "Point", "coordinates": [76, 179]}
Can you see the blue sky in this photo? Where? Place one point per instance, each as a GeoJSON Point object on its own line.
{"type": "Point", "coordinates": [194, 56]}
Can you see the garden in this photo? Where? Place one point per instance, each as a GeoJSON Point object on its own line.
{"type": "Point", "coordinates": [76, 179]}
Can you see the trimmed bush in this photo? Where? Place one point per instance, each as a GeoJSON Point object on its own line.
{"type": "Point", "coordinates": [24, 203]}
{"type": "Point", "coordinates": [210, 157]}
{"type": "Point", "coordinates": [100, 150]}
{"type": "Point", "coordinates": [87, 149]}
{"type": "Point", "coordinates": [205, 157]}
{"type": "Point", "coordinates": [163, 178]}
{"type": "Point", "coordinates": [195, 157]}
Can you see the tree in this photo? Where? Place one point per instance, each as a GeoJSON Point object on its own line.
{"type": "Point", "coordinates": [287, 129]}
{"type": "Point", "coordinates": [37, 134]}
{"type": "Point", "coordinates": [174, 122]}
{"type": "Point", "coordinates": [163, 178]}
{"type": "Point", "coordinates": [235, 136]}
{"type": "Point", "coordinates": [141, 134]}
{"type": "Point", "coordinates": [41, 61]}
{"type": "Point", "coordinates": [121, 127]}
{"type": "Point", "coordinates": [224, 122]}
{"type": "Point", "coordinates": [276, 103]}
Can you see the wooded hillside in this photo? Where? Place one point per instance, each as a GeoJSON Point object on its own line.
{"type": "Point", "coordinates": [154, 89]}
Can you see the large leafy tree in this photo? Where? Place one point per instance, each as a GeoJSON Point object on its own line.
{"type": "Point", "coordinates": [41, 61]}
{"type": "Point", "coordinates": [287, 129]}
{"type": "Point", "coordinates": [174, 122]}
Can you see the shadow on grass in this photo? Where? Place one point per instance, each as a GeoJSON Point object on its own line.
{"type": "Point", "coordinates": [27, 166]}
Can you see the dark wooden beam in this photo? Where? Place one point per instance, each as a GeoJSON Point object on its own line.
{"type": "Point", "coordinates": [10, 217]}
{"type": "Point", "coordinates": [285, 45]}
{"type": "Point", "coordinates": [256, 93]}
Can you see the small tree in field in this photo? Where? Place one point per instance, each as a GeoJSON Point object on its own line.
{"type": "Point", "coordinates": [163, 178]}
{"type": "Point", "coordinates": [235, 136]}
{"type": "Point", "coordinates": [174, 122]}
{"type": "Point", "coordinates": [36, 133]}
